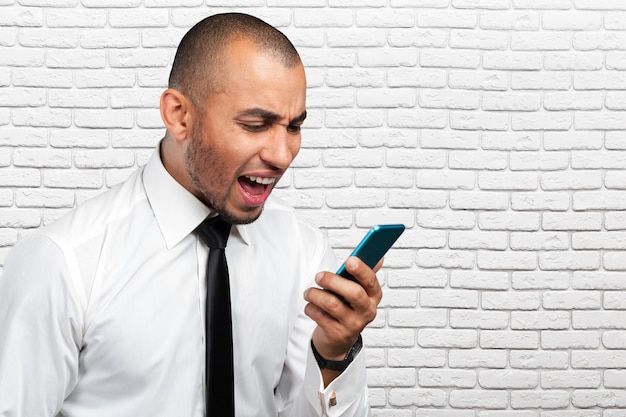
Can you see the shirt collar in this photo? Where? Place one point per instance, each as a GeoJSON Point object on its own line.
{"type": "Point", "coordinates": [177, 211]}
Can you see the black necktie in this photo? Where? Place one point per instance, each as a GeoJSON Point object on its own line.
{"type": "Point", "coordinates": [219, 333]}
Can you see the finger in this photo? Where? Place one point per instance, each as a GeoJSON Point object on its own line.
{"type": "Point", "coordinates": [365, 276]}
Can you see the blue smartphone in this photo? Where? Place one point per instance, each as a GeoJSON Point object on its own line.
{"type": "Point", "coordinates": [374, 245]}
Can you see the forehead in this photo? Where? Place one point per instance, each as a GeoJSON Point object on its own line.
{"type": "Point", "coordinates": [253, 78]}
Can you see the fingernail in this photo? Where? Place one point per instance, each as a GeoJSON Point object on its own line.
{"type": "Point", "coordinates": [318, 277]}
{"type": "Point", "coordinates": [351, 262]}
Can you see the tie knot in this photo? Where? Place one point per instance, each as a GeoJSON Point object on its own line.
{"type": "Point", "coordinates": [214, 232]}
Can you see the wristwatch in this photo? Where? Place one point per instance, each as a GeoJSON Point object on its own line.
{"type": "Point", "coordinates": [339, 366]}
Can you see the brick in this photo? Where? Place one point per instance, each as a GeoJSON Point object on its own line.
{"type": "Point", "coordinates": [75, 59]}
{"type": "Point", "coordinates": [449, 139]}
{"type": "Point", "coordinates": [74, 17]}
{"type": "Point", "coordinates": [410, 77]}
{"type": "Point", "coordinates": [478, 80]}
{"type": "Point", "coordinates": [508, 221]}
{"type": "Point", "coordinates": [358, 77]}
{"type": "Point", "coordinates": [449, 99]}
{"type": "Point", "coordinates": [540, 399]}
{"type": "Point", "coordinates": [103, 158]}
{"type": "Point", "coordinates": [542, 4]}
{"type": "Point", "coordinates": [512, 60]}
{"type": "Point", "coordinates": [610, 359]}
{"type": "Point", "coordinates": [540, 81]}
{"type": "Point", "coordinates": [417, 318]}
{"type": "Point", "coordinates": [472, 319]}
{"type": "Point", "coordinates": [540, 320]}
{"type": "Point", "coordinates": [447, 19]}
{"type": "Point", "coordinates": [411, 118]}
{"type": "Point", "coordinates": [67, 98]}
{"type": "Point", "coordinates": [538, 241]}
{"type": "Point", "coordinates": [542, 121]}
{"type": "Point", "coordinates": [573, 61]}
{"type": "Point", "coordinates": [520, 181]}
{"type": "Point", "coordinates": [42, 117]}
{"type": "Point", "coordinates": [104, 118]}
{"type": "Point", "coordinates": [42, 158]}
{"type": "Point", "coordinates": [385, 57]}
{"type": "Point", "coordinates": [529, 359]}
{"type": "Point", "coordinates": [599, 320]}
{"type": "Point", "coordinates": [476, 120]}
{"type": "Point", "coordinates": [22, 17]}
{"type": "Point", "coordinates": [403, 397]}
{"type": "Point", "coordinates": [444, 338]}
{"type": "Point", "coordinates": [598, 160]}
{"type": "Point", "coordinates": [138, 58]}
{"type": "Point", "coordinates": [574, 101]}
{"type": "Point", "coordinates": [138, 18]}
{"type": "Point", "coordinates": [599, 240]}
{"type": "Point", "coordinates": [44, 198]}
{"type": "Point", "coordinates": [421, 38]}
{"type": "Point", "coordinates": [392, 98]}
{"type": "Point", "coordinates": [614, 378]}
{"type": "Point", "coordinates": [429, 377]}
{"type": "Point", "coordinates": [405, 158]}
{"type": "Point", "coordinates": [30, 137]}
{"type": "Point", "coordinates": [354, 37]}
{"type": "Point", "coordinates": [599, 80]}
{"type": "Point", "coordinates": [483, 39]}
{"type": "Point", "coordinates": [541, 41]}
{"type": "Point", "coordinates": [22, 97]}
{"type": "Point", "coordinates": [510, 20]}
{"type": "Point", "coordinates": [22, 57]}
{"type": "Point", "coordinates": [613, 261]}
{"type": "Point", "coordinates": [161, 38]}
{"type": "Point", "coordinates": [434, 258]}
{"type": "Point", "coordinates": [481, 4]}
{"type": "Point", "coordinates": [579, 180]}
{"type": "Point", "coordinates": [449, 58]}
{"type": "Point", "coordinates": [389, 18]}
{"type": "Point", "coordinates": [416, 199]}
{"type": "Point", "coordinates": [439, 219]}
{"type": "Point", "coordinates": [569, 339]}
{"type": "Point", "coordinates": [477, 240]}
{"type": "Point", "coordinates": [323, 18]}
{"type": "Point", "coordinates": [511, 141]}
{"type": "Point", "coordinates": [604, 5]}
{"type": "Point", "coordinates": [390, 138]}
{"type": "Point", "coordinates": [478, 358]}
{"type": "Point", "coordinates": [520, 261]}
{"type": "Point", "coordinates": [482, 399]}
{"type": "Point", "coordinates": [532, 161]}
{"type": "Point", "coordinates": [111, 3]}
{"type": "Point", "coordinates": [572, 20]}
{"type": "Point", "coordinates": [30, 77]}
{"type": "Point", "coordinates": [388, 178]}
{"type": "Point", "coordinates": [606, 200]}
{"type": "Point", "coordinates": [48, 38]}
{"type": "Point", "coordinates": [450, 180]}
{"type": "Point", "coordinates": [600, 398]}
{"type": "Point", "coordinates": [20, 218]}
{"type": "Point", "coordinates": [615, 220]}
{"type": "Point", "coordinates": [588, 140]}
{"type": "Point", "coordinates": [470, 200]}
{"type": "Point", "coordinates": [508, 379]}
{"type": "Point", "coordinates": [614, 20]}
{"type": "Point", "coordinates": [500, 101]}
{"type": "Point", "coordinates": [124, 98]}
{"type": "Point", "coordinates": [510, 300]}
{"type": "Point", "coordinates": [614, 339]}
{"type": "Point", "coordinates": [112, 78]}
{"type": "Point", "coordinates": [578, 260]}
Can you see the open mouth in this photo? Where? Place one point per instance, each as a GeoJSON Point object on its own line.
{"type": "Point", "coordinates": [256, 189]}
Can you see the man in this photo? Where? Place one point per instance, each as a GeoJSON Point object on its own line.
{"type": "Point", "coordinates": [102, 312]}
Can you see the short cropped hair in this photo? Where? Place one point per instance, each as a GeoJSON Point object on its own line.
{"type": "Point", "coordinates": [197, 68]}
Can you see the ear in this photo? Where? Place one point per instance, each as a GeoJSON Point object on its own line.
{"type": "Point", "coordinates": [177, 113]}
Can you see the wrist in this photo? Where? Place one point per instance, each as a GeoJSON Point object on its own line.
{"type": "Point", "coordinates": [342, 363]}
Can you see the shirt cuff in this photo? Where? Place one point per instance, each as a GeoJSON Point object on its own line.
{"type": "Point", "coordinates": [341, 394]}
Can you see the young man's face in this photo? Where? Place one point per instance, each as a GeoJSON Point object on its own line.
{"type": "Point", "coordinates": [248, 133]}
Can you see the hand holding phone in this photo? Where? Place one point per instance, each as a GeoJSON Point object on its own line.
{"type": "Point", "coordinates": [374, 245]}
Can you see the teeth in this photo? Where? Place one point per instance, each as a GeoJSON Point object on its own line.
{"type": "Point", "coordinates": [261, 180]}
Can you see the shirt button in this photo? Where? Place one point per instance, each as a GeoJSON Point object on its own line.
{"type": "Point", "coordinates": [333, 399]}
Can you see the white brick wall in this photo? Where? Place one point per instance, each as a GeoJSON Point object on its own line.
{"type": "Point", "coordinates": [494, 129]}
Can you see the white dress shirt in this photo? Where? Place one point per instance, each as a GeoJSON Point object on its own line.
{"type": "Point", "coordinates": [102, 312]}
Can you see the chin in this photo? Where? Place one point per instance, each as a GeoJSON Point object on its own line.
{"type": "Point", "coordinates": [241, 217]}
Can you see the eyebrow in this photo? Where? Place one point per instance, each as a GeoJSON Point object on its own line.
{"type": "Point", "coordinates": [271, 116]}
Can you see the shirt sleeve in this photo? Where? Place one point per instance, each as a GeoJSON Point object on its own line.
{"type": "Point", "coordinates": [302, 377]}
{"type": "Point", "coordinates": [39, 329]}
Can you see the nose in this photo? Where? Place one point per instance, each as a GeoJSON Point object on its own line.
{"type": "Point", "coordinates": [281, 148]}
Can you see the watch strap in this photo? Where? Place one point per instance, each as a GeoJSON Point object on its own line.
{"type": "Point", "coordinates": [341, 365]}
